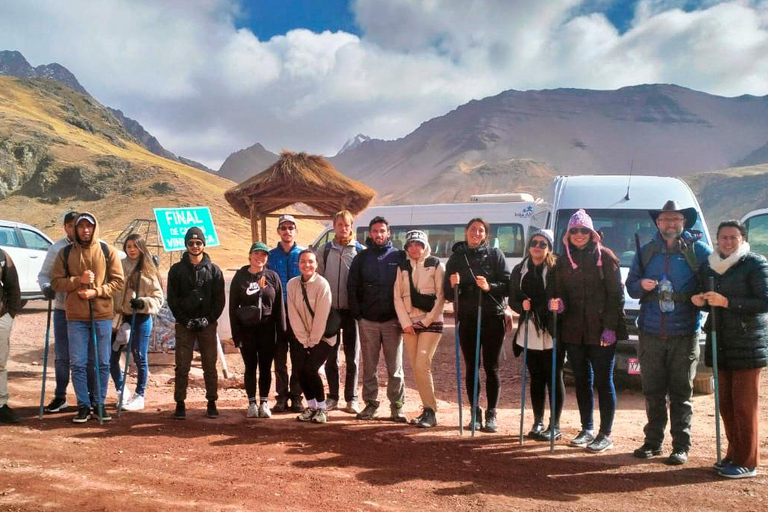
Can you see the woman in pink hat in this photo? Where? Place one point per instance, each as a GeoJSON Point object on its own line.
{"type": "Point", "coordinates": [589, 294]}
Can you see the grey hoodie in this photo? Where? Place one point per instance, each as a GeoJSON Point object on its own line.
{"type": "Point", "coordinates": [336, 269]}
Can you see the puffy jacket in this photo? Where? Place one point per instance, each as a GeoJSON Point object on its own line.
{"type": "Point", "coordinates": [742, 328]}
{"type": "Point", "coordinates": [370, 285]}
{"type": "Point", "coordinates": [685, 319]}
{"type": "Point", "coordinates": [195, 291]}
{"type": "Point", "coordinates": [10, 293]}
{"type": "Point", "coordinates": [479, 261]}
{"type": "Point", "coordinates": [241, 293]}
{"type": "Point", "coordinates": [426, 280]}
{"type": "Point", "coordinates": [336, 269]}
{"type": "Point", "coordinates": [286, 264]}
{"type": "Point", "coordinates": [593, 300]}
{"type": "Point", "coordinates": [150, 291]}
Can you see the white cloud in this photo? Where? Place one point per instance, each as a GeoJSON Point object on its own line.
{"type": "Point", "coordinates": [206, 88]}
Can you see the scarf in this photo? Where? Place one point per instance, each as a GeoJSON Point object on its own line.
{"type": "Point", "coordinates": [343, 242]}
{"type": "Point", "coordinates": [533, 283]}
{"type": "Point", "coordinates": [721, 265]}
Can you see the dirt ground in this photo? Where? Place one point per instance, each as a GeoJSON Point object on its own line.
{"type": "Point", "coordinates": [148, 461]}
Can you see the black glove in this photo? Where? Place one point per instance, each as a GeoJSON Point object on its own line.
{"type": "Point", "coordinates": [49, 293]}
{"type": "Point", "coordinates": [137, 303]}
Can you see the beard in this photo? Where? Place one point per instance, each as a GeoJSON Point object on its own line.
{"type": "Point", "coordinates": [671, 234]}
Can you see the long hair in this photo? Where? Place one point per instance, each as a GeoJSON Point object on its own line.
{"type": "Point", "coordinates": [485, 225]}
{"type": "Point", "coordinates": [550, 260]}
{"type": "Point", "coordinates": [146, 265]}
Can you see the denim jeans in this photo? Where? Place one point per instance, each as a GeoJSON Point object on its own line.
{"type": "Point", "coordinates": [139, 352]}
{"type": "Point", "coordinates": [348, 337]}
{"type": "Point", "coordinates": [593, 368]}
{"type": "Point", "coordinates": [80, 343]}
{"type": "Point", "coordinates": [61, 352]}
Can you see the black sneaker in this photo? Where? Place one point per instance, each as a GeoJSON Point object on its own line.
{"type": "Point", "coordinates": [57, 405]}
{"type": "Point", "coordinates": [491, 426]}
{"type": "Point", "coordinates": [8, 415]}
{"type": "Point", "coordinates": [536, 430]}
{"type": "Point", "coordinates": [647, 451]}
{"type": "Point", "coordinates": [546, 434]}
{"type": "Point", "coordinates": [83, 414]}
{"type": "Point", "coordinates": [583, 439]}
{"type": "Point", "coordinates": [211, 410]}
{"type": "Point", "coordinates": [417, 419]}
{"type": "Point", "coordinates": [281, 405]}
{"type": "Point", "coordinates": [296, 405]}
{"type": "Point", "coordinates": [678, 457]}
{"type": "Point", "coordinates": [428, 419]}
{"type": "Point", "coordinates": [600, 444]}
{"type": "Point", "coordinates": [104, 414]}
{"type": "Point", "coordinates": [181, 411]}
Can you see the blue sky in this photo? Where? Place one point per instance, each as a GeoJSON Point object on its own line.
{"type": "Point", "coordinates": [267, 18]}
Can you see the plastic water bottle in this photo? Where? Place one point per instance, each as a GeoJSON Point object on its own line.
{"type": "Point", "coordinates": [666, 301]}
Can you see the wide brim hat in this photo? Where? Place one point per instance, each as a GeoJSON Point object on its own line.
{"type": "Point", "coordinates": [690, 214]}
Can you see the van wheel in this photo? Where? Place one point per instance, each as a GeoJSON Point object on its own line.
{"type": "Point", "coordinates": [704, 384]}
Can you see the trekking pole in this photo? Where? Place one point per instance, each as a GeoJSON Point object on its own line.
{"type": "Point", "coordinates": [525, 376]}
{"type": "Point", "coordinates": [477, 361]}
{"type": "Point", "coordinates": [45, 358]}
{"type": "Point", "coordinates": [96, 363]}
{"type": "Point", "coordinates": [552, 405]}
{"type": "Point", "coordinates": [711, 287]}
{"type": "Point", "coordinates": [128, 350]}
{"type": "Point", "coordinates": [458, 355]}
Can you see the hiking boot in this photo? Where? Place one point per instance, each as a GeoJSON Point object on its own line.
{"type": "Point", "coordinates": [647, 451]}
{"type": "Point", "coordinates": [83, 414]}
{"type": "Point", "coordinates": [296, 405]}
{"type": "Point", "coordinates": [417, 419]}
{"type": "Point", "coordinates": [331, 404]}
{"type": "Point", "coordinates": [104, 414]}
{"type": "Point", "coordinates": [678, 457]}
{"type": "Point", "coordinates": [211, 411]}
{"type": "Point", "coordinates": [352, 407]}
{"type": "Point", "coordinates": [396, 415]}
{"type": "Point", "coordinates": [601, 443]}
{"type": "Point", "coordinates": [8, 415]}
{"type": "Point", "coordinates": [478, 419]}
{"type": "Point", "coordinates": [321, 416]}
{"type": "Point", "coordinates": [428, 418]}
{"type": "Point", "coordinates": [369, 413]}
{"type": "Point", "coordinates": [583, 439]}
{"type": "Point", "coordinates": [281, 405]}
{"type": "Point", "coordinates": [181, 411]}
{"type": "Point", "coordinates": [264, 411]}
{"type": "Point", "coordinates": [536, 429]}
{"type": "Point", "coordinates": [253, 410]}
{"type": "Point", "coordinates": [135, 404]}
{"type": "Point", "coordinates": [57, 405]}
{"type": "Point", "coordinates": [733, 471]}
{"type": "Point", "coordinates": [545, 435]}
{"type": "Point", "coordinates": [307, 414]}
{"type": "Point", "coordinates": [491, 426]}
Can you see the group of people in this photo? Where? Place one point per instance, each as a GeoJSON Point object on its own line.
{"type": "Point", "coordinates": [294, 302]}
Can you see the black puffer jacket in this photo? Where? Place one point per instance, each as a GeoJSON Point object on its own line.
{"type": "Point", "coordinates": [483, 261]}
{"type": "Point", "coordinates": [742, 329]}
{"type": "Point", "coordinates": [593, 300]}
{"type": "Point", "coordinates": [195, 291]}
{"type": "Point", "coordinates": [371, 283]}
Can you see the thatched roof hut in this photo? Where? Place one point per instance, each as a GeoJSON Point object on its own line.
{"type": "Point", "coordinates": [297, 178]}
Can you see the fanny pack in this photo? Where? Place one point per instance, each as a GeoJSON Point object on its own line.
{"type": "Point", "coordinates": [250, 315]}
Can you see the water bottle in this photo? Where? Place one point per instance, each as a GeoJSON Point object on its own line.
{"type": "Point", "coordinates": [666, 301]}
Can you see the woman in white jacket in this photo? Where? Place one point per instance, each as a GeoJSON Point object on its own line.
{"type": "Point", "coordinates": [419, 304]}
{"type": "Point", "coordinates": [309, 304]}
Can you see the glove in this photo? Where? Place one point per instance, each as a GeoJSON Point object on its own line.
{"type": "Point", "coordinates": [49, 293]}
{"type": "Point", "coordinates": [556, 305]}
{"type": "Point", "coordinates": [608, 338]}
{"type": "Point", "coordinates": [137, 303]}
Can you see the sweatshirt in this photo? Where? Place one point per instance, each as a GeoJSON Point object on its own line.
{"type": "Point", "coordinates": [308, 329]}
{"type": "Point", "coordinates": [428, 281]}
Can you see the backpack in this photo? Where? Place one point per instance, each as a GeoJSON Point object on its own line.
{"type": "Point", "coordinates": [68, 251]}
{"type": "Point", "coordinates": [688, 251]}
{"type": "Point", "coordinates": [327, 250]}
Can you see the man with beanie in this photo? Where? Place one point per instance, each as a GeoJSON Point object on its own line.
{"type": "Point", "coordinates": [10, 305]}
{"type": "Point", "coordinates": [669, 341]}
{"type": "Point", "coordinates": [284, 259]}
{"type": "Point", "coordinates": [196, 298]}
{"type": "Point", "coordinates": [61, 341]}
{"type": "Point", "coordinates": [90, 273]}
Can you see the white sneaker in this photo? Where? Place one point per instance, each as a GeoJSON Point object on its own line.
{"type": "Point", "coordinates": [136, 403]}
{"type": "Point", "coordinates": [253, 411]}
{"type": "Point", "coordinates": [127, 397]}
{"type": "Point", "coordinates": [264, 411]}
{"type": "Point", "coordinates": [352, 407]}
{"type": "Point", "coordinates": [320, 416]}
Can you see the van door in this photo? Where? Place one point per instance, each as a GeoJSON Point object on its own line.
{"type": "Point", "coordinates": [757, 231]}
{"type": "Point", "coordinates": [9, 241]}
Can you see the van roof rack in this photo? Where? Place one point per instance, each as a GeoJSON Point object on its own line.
{"type": "Point", "coordinates": [511, 197]}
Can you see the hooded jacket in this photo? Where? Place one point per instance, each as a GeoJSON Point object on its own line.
{"type": "Point", "coordinates": [307, 328]}
{"type": "Point", "coordinates": [245, 289]}
{"type": "Point", "coordinates": [195, 291]}
{"type": "Point", "coordinates": [150, 291]}
{"type": "Point", "coordinates": [426, 280]}
{"type": "Point", "coordinates": [108, 277]}
{"type": "Point", "coordinates": [10, 293]}
{"type": "Point", "coordinates": [370, 285]}
{"type": "Point", "coordinates": [479, 261]}
{"type": "Point", "coordinates": [336, 269]}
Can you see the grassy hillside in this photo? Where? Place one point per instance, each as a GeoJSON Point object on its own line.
{"type": "Point", "coordinates": [60, 150]}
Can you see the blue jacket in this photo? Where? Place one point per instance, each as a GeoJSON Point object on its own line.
{"type": "Point", "coordinates": [286, 264]}
{"type": "Point", "coordinates": [371, 283]}
{"type": "Point", "coordinates": [685, 319]}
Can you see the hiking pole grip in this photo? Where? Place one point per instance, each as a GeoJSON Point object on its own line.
{"type": "Point", "coordinates": [713, 337]}
{"type": "Point", "coordinates": [45, 358]}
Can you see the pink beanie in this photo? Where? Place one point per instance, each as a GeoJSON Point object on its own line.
{"type": "Point", "coordinates": [580, 219]}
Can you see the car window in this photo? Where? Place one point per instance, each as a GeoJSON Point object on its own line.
{"type": "Point", "coordinates": [8, 237]}
{"type": "Point", "coordinates": [757, 229]}
{"type": "Point", "coordinates": [34, 240]}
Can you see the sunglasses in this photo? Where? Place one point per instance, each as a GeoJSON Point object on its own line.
{"type": "Point", "coordinates": [541, 244]}
{"type": "Point", "coordinates": [580, 231]}
{"type": "Point", "coordinates": [194, 243]}
{"type": "Point", "coordinates": [286, 228]}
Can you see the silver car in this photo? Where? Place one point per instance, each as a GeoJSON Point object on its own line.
{"type": "Point", "coordinates": [27, 247]}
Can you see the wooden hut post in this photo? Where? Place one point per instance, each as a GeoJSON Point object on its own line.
{"type": "Point", "coordinates": [255, 217]}
{"type": "Point", "coordinates": [264, 229]}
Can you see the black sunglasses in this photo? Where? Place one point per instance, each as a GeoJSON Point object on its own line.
{"type": "Point", "coordinates": [541, 244]}
{"type": "Point", "coordinates": [194, 243]}
{"type": "Point", "coordinates": [582, 231]}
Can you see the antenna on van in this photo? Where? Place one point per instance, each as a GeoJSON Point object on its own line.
{"type": "Point", "coordinates": [629, 182]}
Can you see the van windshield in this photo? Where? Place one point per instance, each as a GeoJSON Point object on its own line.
{"type": "Point", "coordinates": [507, 237]}
{"type": "Point", "coordinates": [618, 228]}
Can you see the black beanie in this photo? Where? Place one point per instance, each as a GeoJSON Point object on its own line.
{"type": "Point", "coordinates": [194, 233]}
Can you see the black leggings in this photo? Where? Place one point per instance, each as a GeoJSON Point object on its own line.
{"type": "Point", "coordinates": [258, 351]}
{"type": "Point", "coordinates": [540, 369]}
{"type": "Point", "coordinates": [491, 339]}
{"type": "Point", "coordinates": [308, 362]}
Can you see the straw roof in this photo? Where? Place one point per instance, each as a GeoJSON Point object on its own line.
{"type": "Point", "coordinates": [300, 178]}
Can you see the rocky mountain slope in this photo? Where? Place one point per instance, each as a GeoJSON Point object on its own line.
{"type": "Point", "coordinates": [246, 163]}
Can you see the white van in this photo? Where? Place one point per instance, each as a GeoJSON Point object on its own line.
{"type": "Point", "coordinates": [444, 224]}
{"type": "Point", "coordinates": [756, 223]}
{"type": "Point", "coordinates": [619, 208]}
{"type": "Point", "coordinates": [27, 247]}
